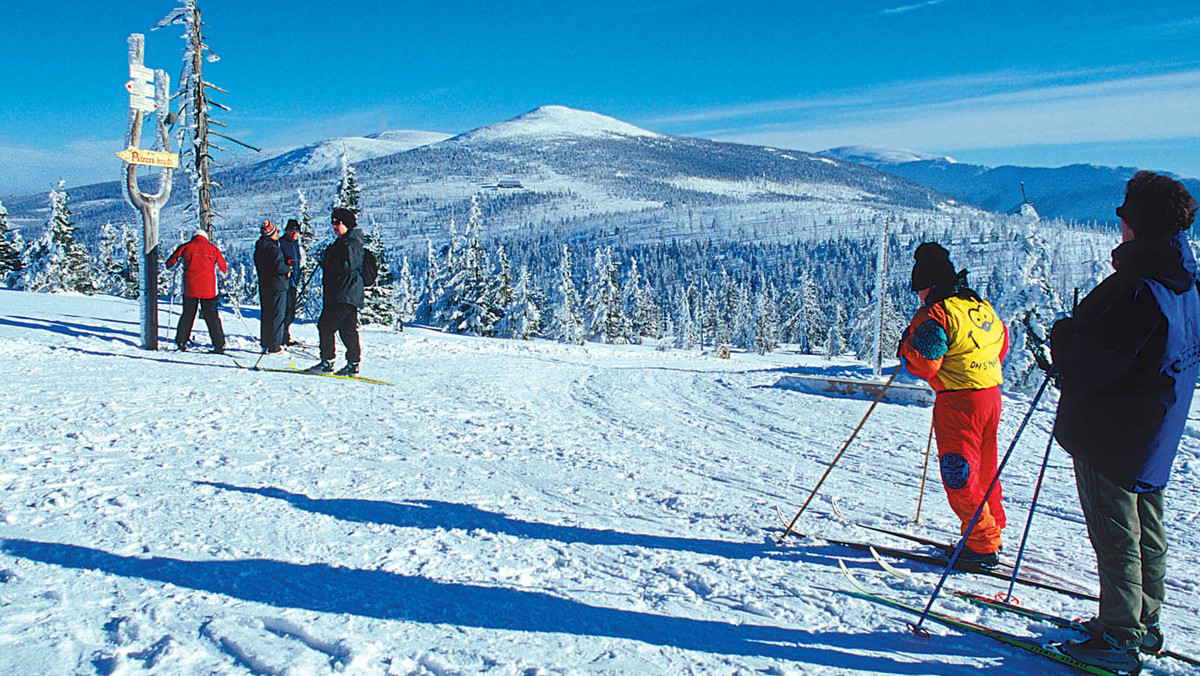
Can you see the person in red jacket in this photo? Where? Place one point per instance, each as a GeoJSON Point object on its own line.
{"type": "Point", "coordinates": [956, 342]}
{"type": "Point", "coordinates": [200, 260]}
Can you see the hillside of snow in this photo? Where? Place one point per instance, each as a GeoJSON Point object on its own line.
{"type": "Point", "coordinates": [575, 173]}
{"type": "Point", "coordinates": [503, 508]}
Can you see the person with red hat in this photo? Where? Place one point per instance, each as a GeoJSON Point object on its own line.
{"type": "Point", "coordinates": [956, 343]}
{"type": "Point", "coordinates": [273, 271]}
{"type": "Point", "coordinates": [200, 259]}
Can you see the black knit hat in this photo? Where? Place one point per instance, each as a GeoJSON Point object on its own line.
{"type": "Point", "coordinates": [292, 224]}
{"type": "Point", "coordinates": [345, 217]}
{"type": "Point", "coordinates": [932, 267]}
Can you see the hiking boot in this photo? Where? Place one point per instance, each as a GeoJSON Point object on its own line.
{"type": "Point", "coordinates": [972, 561]}
{"type": "Point", "coordinates": [1105, 652]}
{"type": "Point", "coordinates": [1152, 641]}
{"type": "Point", "coordinates": [350, 369]}
{"type": "Point", "coordinates": [323, 366]}
{"type": "Point", "coordinates": [218, 350]}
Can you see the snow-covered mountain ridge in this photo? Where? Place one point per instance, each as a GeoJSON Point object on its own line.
{"type": "Point", "coordinates": [572, 172]}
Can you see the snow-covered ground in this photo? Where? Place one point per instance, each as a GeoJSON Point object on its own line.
{"type": "Point", "coordinates": [504, 508]}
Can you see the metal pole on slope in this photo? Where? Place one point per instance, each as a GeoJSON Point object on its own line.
{"type": "Point", "coordinates": [1029, 521]}
{"type": "Point", "coordinates": [924, 473]}
{"type": "Point", "coordinates": [916, 628]}
{"type": "Point", "coordinates": [846, 445]}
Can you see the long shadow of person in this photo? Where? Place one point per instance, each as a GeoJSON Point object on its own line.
{"type": "Point", "coordinates": [432, 514]}
{"type": "Point", "coordinates": [390, 596]}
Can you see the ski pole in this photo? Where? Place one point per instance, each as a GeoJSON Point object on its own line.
{"type": "Point", "coordinates": [846, 445]}
{"type": "Point", "coordinates": [916, 628]}
{"type": "Point", "coordinates": [1029, 521]}
{"type": "Point", "coordinates": [924, 473]}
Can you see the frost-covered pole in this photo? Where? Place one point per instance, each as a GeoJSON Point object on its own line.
{"type": "Point", "coordinates": [148, 205]}
{"type": "Point", "coordinates": [880, 295]}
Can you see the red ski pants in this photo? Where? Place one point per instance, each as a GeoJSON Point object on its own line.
{"type": "Point", "coordinates": [966, 422]}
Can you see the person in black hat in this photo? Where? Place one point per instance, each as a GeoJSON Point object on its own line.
{"type": "Point", "coordinates": [293, 254]}
{"type": "Point", "coordinates": [342, 286]}
{"type": "Point", "coordinates": [1127, 362]}
{"type": "Point", "coordinates": [272, 270]}
{"type": "Point", "coordinates": [956, 343]}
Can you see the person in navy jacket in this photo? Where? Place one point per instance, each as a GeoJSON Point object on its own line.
{"type": "Point", "coordinates": [293, 253]}
{"type": "Point", "coordinates": [1127, 363]}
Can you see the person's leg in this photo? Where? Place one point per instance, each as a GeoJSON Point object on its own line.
{"type": "Point", "coordinates": [278, 309]}
{"type": "Point", "coordinates": [1154, 556]}
{"type": "Point", "coordinates": [349, 333]}
{"type": "Point", "coordinates": [327, 328]}
{"type": "Point", "coordinates": [187, 316]}
{"type": "Point", "coordinates": [1114, 529]}
{"type": "Point", "coordinates": [959, 426]}
{"type": "Point", "coordinates": [289, 314]}
{"type": "Point", "coordinates": [212, 318]}
{"type": "Point", "coordinates": [990, 408]}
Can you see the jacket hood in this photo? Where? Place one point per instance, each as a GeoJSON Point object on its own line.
{"type": "Point", "coordinates": [1168, 261]}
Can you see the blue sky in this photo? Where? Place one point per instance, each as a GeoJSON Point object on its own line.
{"type": "Point", "coordinates": [1013, 82]}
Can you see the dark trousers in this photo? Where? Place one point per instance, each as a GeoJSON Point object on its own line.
{"type": "Point", "coordinates": [289, 314]}
{"type": "Point", "coordinates": [208, 310]}
{"type": "Point", "coordinates": [1127, 532]}
{"type": "Point", "coordinates": [273, 303]}
{"type": "Point", "coordinates": [340, 319]}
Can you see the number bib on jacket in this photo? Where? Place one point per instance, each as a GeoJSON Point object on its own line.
{"type": "Point", "coordinates": [976, 339]}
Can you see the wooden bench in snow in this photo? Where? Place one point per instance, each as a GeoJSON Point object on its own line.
{"type": "Point", "coordinates": [897, 393]}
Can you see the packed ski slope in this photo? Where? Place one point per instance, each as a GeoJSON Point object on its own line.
{"type": "Point", "coordinates": [504, 508]}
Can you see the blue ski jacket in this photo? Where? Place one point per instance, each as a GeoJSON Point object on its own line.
{"type": "Point", "coordinates": [1128, 361]}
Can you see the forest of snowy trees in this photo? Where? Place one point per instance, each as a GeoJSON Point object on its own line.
{"type": "Point", "coordinates": [817, 297]}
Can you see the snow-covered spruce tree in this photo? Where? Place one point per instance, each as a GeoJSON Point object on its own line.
{"type": "Point", "coordinates": [606, 320]}
{"type": "Point", "coordinates": [565, 325]}
{"type": "Point", "coordinates": [56, 261]}
{"type": "Point", "coordinates": [474, 298]}
{"type": "Point", "coordinates": [523, 319]}
{"type": "Point", "coordinates": [404, 295]}
{"type": "Point", "coordinates": [766, 319]}
{"type": "Point", "coordinates": [308, 305]}
{"type": "Point", "coordinates": [11, 247]}
{"type": "Point", "coordinates": [109, 265]}
{"type": "Point", "coordinates": [644, 314]}
{"type": "Point", "coordinates": [687, 332]}
{"type": "Point", "coordinates": [1028, 306]}
{"type": "Point", "coordinates": [349, 195]}
{"type": "Point", "coordinates": [378, 307]}
{"type": "Point", "coordinates": [432, 289]}
{"type": "Point", "coordinates": [806, 324]}
{"type": "Point", "coordinates": [835, 344]}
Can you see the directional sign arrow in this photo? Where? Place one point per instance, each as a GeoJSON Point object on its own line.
{"type": "Point", "coordinates": [149, 158]}
{"type": "Point", "coordinates": [143, 104]}
{"type": "Point", "coordinates": [139, 88]}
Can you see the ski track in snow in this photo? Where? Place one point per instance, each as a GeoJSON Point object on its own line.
{"type": "Point", "coordinates": [506, 508]}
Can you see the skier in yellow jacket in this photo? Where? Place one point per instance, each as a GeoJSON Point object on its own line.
{"type": "Point", "coordinates": [956, 342]}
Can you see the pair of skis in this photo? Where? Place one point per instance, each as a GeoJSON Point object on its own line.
{"type": "Point", "coordinates": [940, 561]}
{"type": "Point", "coordinates": [861, 591]}
{"type": "Point", "coordinates": [292, 369]}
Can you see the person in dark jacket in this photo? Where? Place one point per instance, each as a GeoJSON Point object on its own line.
{"type": "Point", "coordinates": [200, 262]}
{"type": "Point", "coordinates": [1128, 362]}
{"type": "Point", "coordinates": [342, 286]}
{"type": "Point", "coordinates": [273, 271]}
{"type": "Point", "coordinates": [293, 253]}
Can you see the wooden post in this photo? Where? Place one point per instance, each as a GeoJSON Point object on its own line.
{"type": "Point", "coordinates": [148, 205]}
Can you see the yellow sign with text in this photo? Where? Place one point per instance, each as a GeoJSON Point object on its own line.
{"type": "Point", "coordinates": [149, 158]}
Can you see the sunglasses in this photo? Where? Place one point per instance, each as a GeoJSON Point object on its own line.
{"type": "Point", "coordinates": [335, 221]}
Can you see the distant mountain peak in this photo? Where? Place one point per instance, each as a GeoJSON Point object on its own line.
{"type": "Point", "coordinates": [557, 121]}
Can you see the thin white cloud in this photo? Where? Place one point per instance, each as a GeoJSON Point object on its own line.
{"type": "Point", "coordinates": [910, 8]}
{"type": "Point", "coordinates": [1159, 107]}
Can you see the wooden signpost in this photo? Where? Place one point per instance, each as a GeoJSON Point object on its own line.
{"type": "Point", "coordinates": [145, 97]}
